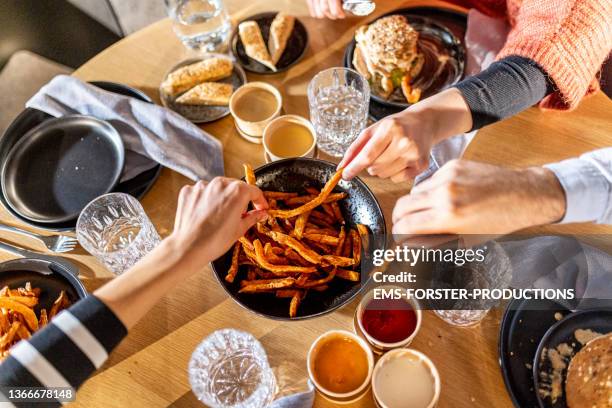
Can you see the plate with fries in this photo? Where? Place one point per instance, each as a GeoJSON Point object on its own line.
{"type": "Point", "coordinates": [311, 256]}
{"type": "Point", "coordinates": [32, 293]}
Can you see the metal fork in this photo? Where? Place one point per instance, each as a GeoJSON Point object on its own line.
{"type": "Point", "coordinates": [55, 243]}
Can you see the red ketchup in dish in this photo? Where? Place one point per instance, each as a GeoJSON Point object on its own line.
{"type": "Point", "coordinates": [389, 321]}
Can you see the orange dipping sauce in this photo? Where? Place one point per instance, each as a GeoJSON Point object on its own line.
{"type": "Point", "coordinates": [340, 364]}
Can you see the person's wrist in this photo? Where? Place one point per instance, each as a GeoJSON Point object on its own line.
{"type": "Point", "coordinates": [543, 189]}
{"type": "Point", "coordinates": [184, 250]}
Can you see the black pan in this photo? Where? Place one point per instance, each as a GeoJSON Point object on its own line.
{"type": "Point", "coordinates": [30, 118]}
{"type": "Point", "coordinates": [296, 45]}
{"type": "Point", "coordinates": [49, 276]}
{"type": "Point", "coordinates": [523, 325]}
{"type": "Point", "coordinates": [60, 166]}
{"type": "Point", "coordinates": [293, 175]}
{"type": "Point", "coordinates": [563, 332]}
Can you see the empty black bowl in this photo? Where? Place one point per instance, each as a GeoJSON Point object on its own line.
{"type": "Point", "coordinates": [360, 207]}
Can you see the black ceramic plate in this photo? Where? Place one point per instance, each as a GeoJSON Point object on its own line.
{"type": "Point", "coordinates": [523, 325]}
{"type": "Point", "coordinates": [453, 21]}
{"type": "Point", "coordinates": [563, 332]}
{"type": "Point", "coordinates": [202, 113]}
{"type": "Point", "coordinates": [444, 60]}
{"type": "Point", "coordinates": [30, 118]}
{"type": "Point", "coordinates": [293, 175]}
{"type": "Point", "coordinates": [58, 167]}
{"type": "Point", "coordinates": [296, 45]}
{"type": "Point", "coordinates": [50, 277]}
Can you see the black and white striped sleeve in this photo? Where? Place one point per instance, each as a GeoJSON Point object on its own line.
{"type": "Point", "coordinates": [67, 351]}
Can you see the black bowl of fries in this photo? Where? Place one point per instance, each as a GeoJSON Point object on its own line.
{"type": "Point", "coordinates": [32, 293]}
{"type": "Point", "coordinates": [311, 256]}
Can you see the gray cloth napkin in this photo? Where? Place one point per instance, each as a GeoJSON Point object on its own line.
{"type": "Point", "coordinates": [304, 399]}
{"type": "Point", "coordinates": [146, 129]}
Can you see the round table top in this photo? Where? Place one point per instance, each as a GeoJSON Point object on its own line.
{"type": "Point", "coordinates": [149, 368]}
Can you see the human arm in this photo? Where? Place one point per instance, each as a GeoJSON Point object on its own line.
{"type": "Point", "coordinates": [398, 146]}
{"type": "Point", "coordinates": [77, 342]}
{"type": "Point", "coordinates": [468, 197]}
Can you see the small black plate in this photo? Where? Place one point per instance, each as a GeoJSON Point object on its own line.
{"type": "Point", "coordinates": [360, 206]}
{"type": "Point", "coordinates": [563, 332]}
{"type": "Point", "coordinates": [30, 118]}
{"type": "Point", "coordinates": [50, 277]}
{"type": "Point", "coordinates": [296, 45]}
{"type": "Point", "coordinates": [523, 325]}
{"type": "Point", "coordinates": [58, 167]}
{"type": "Point", "coordinates": [453, 21]}
{"type": "Point", "coordinates": [202, 113]}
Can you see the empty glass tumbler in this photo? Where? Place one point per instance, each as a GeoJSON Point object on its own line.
{"type": "Point", "coordinates": [202, 25]}
{"type": "Point", "coordinates": [230, 369]}
{"type": "Point", "coordinates": [115, 229]}
{"type": "Point", "coordinates": [338, 99]}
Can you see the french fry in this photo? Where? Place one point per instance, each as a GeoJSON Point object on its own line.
{"type": "Point", "coordinates": [337, 212]}
{"type": "Point", "coordinates": [29, 301]}
{"type": "Point", "coordinates": [295, 303]}
{"type": "Point", "coordinates": [279, 195]}
{"type": "Point", "coordinates": [327, 209]}
{"type": "Point", "coordinates": [295, 257]}
{"type": "Point", "coordinates": [341, 238]}
{"type": "Point", "coordinates": [338, 260]}
{"type": "Point", "coordinates": [272, 284]}
{"type": "Point", "coordinates": [364, 233]}
{"type": "Point", "coordinates": [348, 275]}
{"type": "Point", "coordinates": [249, 174]}
{"type": "Point", "coordinates": [22, 309]}
{"type": "Point", "coordinates": [269, 254]}
{"type": "Point", "coordinates": [321, 288]}
{"type": "Point", "coordinates": [58, 305]}
{"type": "Point", "coordinates": [305, 252]}
{"type": "Point", "coordinates": [322, 239]}
{"type": "Point", "coordinates": [4, 323]}
{"type": "Point", "coordinates": [348, 246]}
{"type": "Point", "coordinates": [299, 200]}
{"type": "Point", "coordinates": [329, 186]}
{"type": "Point", "coordinates": [287, 293]}
{"type": "Point", "coordinates": [263, 262]}
{"type": "Point", "coordinates": [251, 274]}
{"type": "Point", "coordinates": [325, 231]}
{"type": "Point", "coordinates": [300, 224]}
{"type": "Point", "coordinates": [233, 270]}
{"type": "Point", "coordinates": [43, 320]}
{"type": "Point", "coordinates": [320, 216]}
{"type": "Point", "coordinates": [9, 336]}
{"type": "Point", "coordinates": [356, 246]}
{"type": "Point", "coordinates": [23, 333]}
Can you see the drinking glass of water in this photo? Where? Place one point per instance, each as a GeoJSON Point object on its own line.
{"type": "Point", "coordinates": [230, 369]}
{"type": "Point", "coordinates": [338, 100]}
{"type": "Point", "coordinates": [115, 229]}
{"type": "Point", "coordinates": [202, 25]}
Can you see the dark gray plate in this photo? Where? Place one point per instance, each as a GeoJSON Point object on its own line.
{"type": "Point", "coordinates": [60, 166]}
{"type": "Point", "coordinates": [30, 118]}
{"type": "Point", "coordinates": [359, 207]}
{"type": "Point", "coordinates": [563, 332]}
{"type": "Point", "coordinates": [453, 21]}
{"type": "Point", "coordinates": [50, 277]}
{"type": "Point", "coordinates": [523, 325]}
{"type": "Point", "coordinates": [296, 45]}
{"type": "Point", "coordinates": [202, 113]}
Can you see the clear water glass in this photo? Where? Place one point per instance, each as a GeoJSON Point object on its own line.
{"type": "Point", "coordinates": [116, 230]}
{"type": "Point", "coordinates": [202, 25]}
{"type": "Point", "coordinates": [359, 7]}
{"type": "Point", "coordinates": [230, 369]}
{"type": "Point", "coordinates": [338, 99]}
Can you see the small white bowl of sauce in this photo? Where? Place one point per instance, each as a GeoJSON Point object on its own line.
{"type": "Point", "coordinates": [405, 378]}
{"type": "Point", "coordinates": [253, 106]}
{"type": "Point", "coordinates": [340, 365]}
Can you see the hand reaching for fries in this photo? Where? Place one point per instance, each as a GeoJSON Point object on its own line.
{"type": "Point", "coordinates": [210, 218]}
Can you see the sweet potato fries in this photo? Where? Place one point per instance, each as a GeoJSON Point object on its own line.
{"type": "Point", "coordinates": [303, 245]}
{"type": "Point", "coordinates": [18, 320]}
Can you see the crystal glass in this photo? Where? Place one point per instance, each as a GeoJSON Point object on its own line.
{"type": "Point", "coordinates": [359, 7]}
{"type": "Point", "coordinates": [202, 25]}
{"type": "Point", "coordinates": [338, 100]}
{"type": "Point", "coordinates": [115, 229]}
{"type": "Point", "coordinates": [230, 369]}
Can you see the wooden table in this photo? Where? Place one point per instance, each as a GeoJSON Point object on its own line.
{"type": "Point", "coordinates": [149, 369]}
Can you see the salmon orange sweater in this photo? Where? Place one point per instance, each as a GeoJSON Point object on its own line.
{"type": "Point", "coordinates": [569, 39]}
